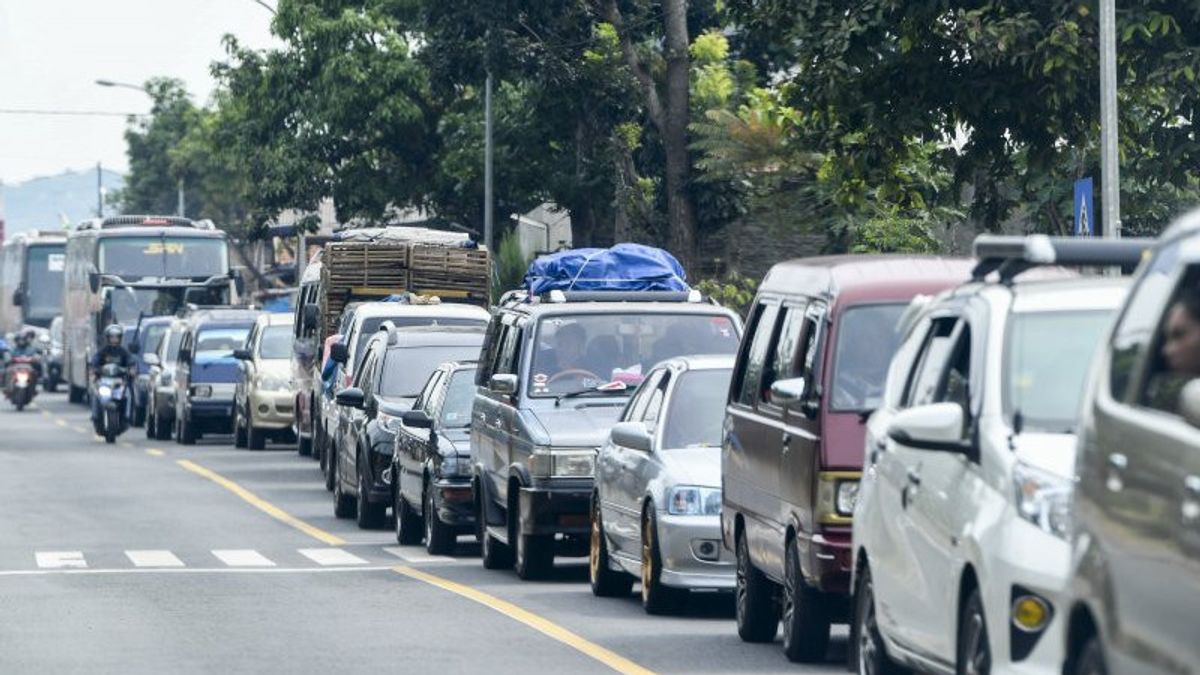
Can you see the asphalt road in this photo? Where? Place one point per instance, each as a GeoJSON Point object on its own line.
{"type": "Point", "coordinates": [146, 556]}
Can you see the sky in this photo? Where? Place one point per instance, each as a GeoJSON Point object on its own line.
{"type": "Point", "coordinates": [53, 51]}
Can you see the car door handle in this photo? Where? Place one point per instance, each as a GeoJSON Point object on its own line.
{"type": "Point", "coordinates": [1190, 508]}
{"type": "Point", "coordinates": [787, 439]}
{"type": "Point", "coordinates": [914, 478]}
{"type": "Point", "coordinates": [1191, 485]}
{"type": "Point", "coordinates": [1118, 461]}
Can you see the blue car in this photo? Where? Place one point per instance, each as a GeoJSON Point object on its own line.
{"type": "Point", "coordinates": [207, 372]}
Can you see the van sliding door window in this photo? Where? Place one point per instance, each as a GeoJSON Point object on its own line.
{"type": "Point", "coordinates": [760, 343]}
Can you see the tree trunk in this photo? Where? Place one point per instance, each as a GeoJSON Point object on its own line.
{"type": "Point", "coordinates": [680, 213]}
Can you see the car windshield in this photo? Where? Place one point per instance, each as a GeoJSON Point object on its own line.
{"type": "Point", "coordinates": [367, 330]}
{"type": "Point", "coordinates": [866, 340]}
{"type": "Point", "coordinates": [407, 368]}
{"type": "Point", "coordinates": [460, 394]}
{"type": "Point", "coordinates": [1046, 362]}
{"type": "Point", "coordinates": [44, 282]}
{"type": "Point", "coordinates": [585, 351]}
{"type": "Point", "coordinates": [696, 412]}
{"type": "Point", "coordinates": [152, 336]}
{"type": "Point", "coordinates": [163, 256]}
{"type": "Point", "coordinates": [276, 343]}
{"type": "Point", "coordinates": [221, 341]}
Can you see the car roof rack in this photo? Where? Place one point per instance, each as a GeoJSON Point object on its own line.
{"type": "Point", "coordinates": [144, 221]}
{"type": "Point", "coordinates": [1009, 256]}
{"type": "Point", "coordinates": [559, 296]}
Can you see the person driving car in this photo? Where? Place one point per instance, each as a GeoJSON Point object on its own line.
{"type": "Point", "coordinates": [570, 347]}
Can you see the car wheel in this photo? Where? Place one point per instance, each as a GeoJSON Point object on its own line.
{"type": "Point", "coordinates": [304, 446]}
{"type": "Point", "coordinates": [974, 653]}
{"type": "Point", "coordinates": [343, 504]}
{"type": "Point", "coordinates": [75, 394]}
{"type": "Point", "coordinates": [754, 595]}
{"type": "Point", "coordinates": [868, 651]}
{"type": "Point", "coordinates": [496, 555]}
{"type": "Point", "coordinates": [440, 538]}
{"type": "Point", "coordinates": [606, 582]}
{"type": "Point", "coordinates": [151, 423]}
{"type": "Point", "coordinates": [187, 433]}
{"type": "Point", "coordinates": [370, 516]}
{"type": "Point", "coordinates": [656, 598]}
{"type": "Point", "coordinates": [535, 552]}
{"type": "Point", "coordinates": [139, 415]}
{"type": "Point", "coordinates": [805, 619]}
{"type": "Point", "coordinates": [256, 438]}
{"type": "Point", "coordinates": [408, 524]}
{"type": "Point", "coordinates": [239, 430]}
{"type": "Point", "coordinates": [1091, 659]}
{"type": "Point", "coordinates": [162, 429]}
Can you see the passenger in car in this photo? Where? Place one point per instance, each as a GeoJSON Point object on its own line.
{"type": "Point", "coordinates": [1180, 352]}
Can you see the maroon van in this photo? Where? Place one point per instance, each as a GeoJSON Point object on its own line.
{"type": "Point", "coordinates": [811, 367]}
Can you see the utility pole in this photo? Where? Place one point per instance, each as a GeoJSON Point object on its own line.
{"type": "Point", "coordinates": [488, 232]}
{"type": "Point", "coordinates": [1110, 172]}
{"type": "Point", "coordinates": [99, 192]}
{"type": "Point", "coordinates": [179, 203]}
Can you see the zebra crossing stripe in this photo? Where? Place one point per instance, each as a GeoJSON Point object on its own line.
{"type": "Point", "coordinates": [153, 559]}
{"type": "Point", "coordinates": [331, 556]}
{"type": "Point", "coordinates": [60, 559]}
{"type": "Point", "coordinates": [242, 557]}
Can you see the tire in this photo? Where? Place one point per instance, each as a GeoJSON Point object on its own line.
{"type": "Point", "coordinates": [162, 429]}
{"type": "Point", "coordinates": [304, 446]}
{"type": "Point", "coordinates": [1091, 659]}
{"type": "Point", "coordinates": [75, 394]}
{"type": "Point", "coordinates": [757, 612]}
{"type": "Point", "coordinates": [110, 432]}
{"type": "Point", "coordinates": [974, 656]}
{"type": "Point", "coordinates": [805, 617]}
{"type": "Point", "coordinates": [139, 416]}
{"type": "Point", "coordinates": [409, 527]}
{"type": "Point", "coordinates": [330, 459]}
{"type": "Point", "coordinates": [535, 552]}
{"type": "Point", "coordinates": [496, 555]}
{"type": "Point", "coordinates": [368, 516]}
{"type": "Point", "coordinates": [868, 652]}
{"type": "Point", "coordinates": [151, 423]}
{"type": "Point", "coordinates": [239, 431]}
{"type": "Point", "coordinates": [440, 538]}
{"type": "Point", "coordinates": [343, 504]}
{"type": "Point", "coordinates": [256, 438]}
{"type": "Point", "coordinates": [656, 598]}
{"type": "Point", "coordinates": [52, 386]}
{"type": "Point", "coordinates": [20, 406]}
{"type": "Point", "coordinates": [606, 582]}
{"type": "Point", "coordinates": [186, 432]}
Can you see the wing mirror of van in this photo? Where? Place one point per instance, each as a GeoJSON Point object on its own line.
{"type": "Point", "coordinates": [352, 397]}
{"type": "Point", "coordinates": [417, 419]}
{"type": "Point", "coordinates": [1189, 402]}
{"type": "Point", "coordinates": [151, 360]}
{"type": "Point", "coordinates": [242, 354]}
{"type": "Point", "coordinates": [937, 427]}
{"type": "Point", "coordinates": [503, 383]}
{"type": "Point", "coordinates": [18, 298]}
{"type": "Point", "coordinates": [339, 353]}
{"type": "Point", "coordinates": [793, 393]}
{"type": "Point", "coordinates": [632, 435]}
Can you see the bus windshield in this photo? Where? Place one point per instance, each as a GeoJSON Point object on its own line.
{"type": "Point", "coordinates": [44, 283]}
{"type": "Point", "coordinates": [163, 257]}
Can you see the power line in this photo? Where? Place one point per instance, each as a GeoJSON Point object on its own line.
{"type": "Point", "coordinates": [77, 113]}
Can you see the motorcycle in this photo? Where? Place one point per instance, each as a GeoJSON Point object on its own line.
{"type": "Point", "coordinates": [111, 396]}
{"type": "Point", "coordinates": [20, 380]}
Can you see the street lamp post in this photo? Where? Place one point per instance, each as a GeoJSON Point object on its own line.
{"type": "Point", "coordinates": [179, 200]}
{"type": "Point", "coordinates": [1110, 176]}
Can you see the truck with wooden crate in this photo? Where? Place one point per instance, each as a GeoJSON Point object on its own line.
{"type": "Point", "coordinates": [373, 264]}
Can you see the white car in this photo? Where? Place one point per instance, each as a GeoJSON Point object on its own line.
{"type": "Point", "coordinates": [962, 522]}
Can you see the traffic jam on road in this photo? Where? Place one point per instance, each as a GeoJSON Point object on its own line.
{"type": "Point", "coordinates": [971, 464]}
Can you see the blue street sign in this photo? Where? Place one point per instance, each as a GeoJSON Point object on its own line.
{"type": "Point", "coordinates": [1084, 208]}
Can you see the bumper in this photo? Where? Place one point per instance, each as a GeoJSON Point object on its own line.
{"type": "Point", "coordinates": [556, 506]}
{"type": "Point", "coordinates": [454, 502]}
{"type": "Point", "coordinates": [211, 414]}
{"type": "Point", "coordinates": [692, 554]}
{"type": "Point", "coordinates": [826, 559]}
{"type": "Point", "coordinates": [272, 409]}
{"type": "Point", "coordinates": [1026, 560]}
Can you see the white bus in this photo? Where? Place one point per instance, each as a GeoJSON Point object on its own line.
{"type": "Point", "coordinates": [31, 279]}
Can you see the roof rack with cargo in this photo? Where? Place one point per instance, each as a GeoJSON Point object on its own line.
{"type": "Point", "coordinates": [1009, 256]}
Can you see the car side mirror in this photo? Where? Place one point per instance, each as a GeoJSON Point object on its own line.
{"type": "Point", "coordinates": [632, 435]}
{"type": "Point", "coordinates": [94, 281]}
{"type": "Point", "coordinates": [310, 315]}
{"type": "Point", "coordinates": [417, 419]}
{"type": "Point", "coordinates": [1189, 402]}
{"type": "Point", "coordinates": [937, 427]}
{"type": "Point", "coordinates": [339, 352]}
{"type": "Point", "coordinates": [242, 354]}
{"type": "Point", "coordinates": [503, 383]}
{"type": "Point", "coordinates": [352, 397]}
{"type": "Point", "coordinates": [788, 392]}
{"type": "Point", "coordinates": [18, 298]}
{"type": "Point", "coordinates": [151, 360]}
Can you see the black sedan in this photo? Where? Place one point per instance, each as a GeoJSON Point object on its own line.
{"type": "Point", "coordinates": [431, 466]}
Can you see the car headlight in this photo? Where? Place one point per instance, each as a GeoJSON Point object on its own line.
{"type": "Point", "coordinates": [562, 463]}
{"type": "Point", "coordinates": [837, 493]}
{"type": "Point", "coordinates": [1043, 499]}
{"type": "Point", "coordinates": [450, 466]}
{"type": "Point", "coordinates": [688, 500]}
{"type": "Point", "coordinates": [272, 383]}
{"type": "Point", "coordinates": [201, 390]}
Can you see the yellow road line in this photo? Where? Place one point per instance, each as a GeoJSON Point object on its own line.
{"type": "Point", "coordinates": [60, 422]}
{"type": "Point", "coordinates": [545, 626]}
{"type": "Point", "coordinates": [155, 451]}
{"type": "Point", "coordinates": [262, 504]}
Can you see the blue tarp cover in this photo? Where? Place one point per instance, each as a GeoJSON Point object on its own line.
{"type": "Point", "coordinates": [624, 267]}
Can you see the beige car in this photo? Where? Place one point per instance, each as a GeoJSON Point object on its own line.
{"type": "Point", "coordinates": [264, 404]}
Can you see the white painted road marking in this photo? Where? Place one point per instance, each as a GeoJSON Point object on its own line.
{"type": "Point", "coordinates": [418, 558]}
{"type": "Point", "coordinates": [153, 559]}
{"type": "Point", "coordinates": [242, 557]}
{"type": "Point", "coordinates": [60, 559]}
{"type": "Point", "coordinates": [331, 556]}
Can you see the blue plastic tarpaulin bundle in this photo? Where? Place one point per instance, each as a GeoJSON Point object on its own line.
{"type": "Point", "coordinates": [624, 267]}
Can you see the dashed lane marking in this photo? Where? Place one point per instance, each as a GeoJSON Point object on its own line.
{"type": "Point", "coordinates": [153, 559]}
{"type": "Point", "coordinates": [244, 557]}
{"type": "Point", "coordinates": [195, 570]}
{"type": "Point", "coordinates": [60, 422]}
{"type": "Point", "coordinates": [331, 556]}
{"type": "Point", "coordinates": [545, 626]}
{"type": "Point", "coordinates": [155, 452]}
{"type": "Point", "coordinates": [59, 559]}
{"type": "Point", "coordinates": [262, 504]}
{"type": "Point", "coordinates": [417, 558]}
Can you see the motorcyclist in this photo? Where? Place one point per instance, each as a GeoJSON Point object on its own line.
{"type": "Point", "coordinates": [22, 346]}
{"type": "Point", "coordinates": [112, 352]}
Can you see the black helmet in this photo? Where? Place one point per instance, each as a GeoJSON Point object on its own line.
{"type": "Point", "coordinates": [114, 330]}
{"type": "Point", "coordinates": [23, 338]}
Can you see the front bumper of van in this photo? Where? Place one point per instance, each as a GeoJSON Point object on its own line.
{"type": "Point", "coordinates": [556, 506]}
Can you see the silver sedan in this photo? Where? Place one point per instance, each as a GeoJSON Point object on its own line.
{"type": "Point", "coordinates": [656, 509]}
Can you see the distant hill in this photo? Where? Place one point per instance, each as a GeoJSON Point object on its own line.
{"type": "Point", "coordinates": [41, 203]}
